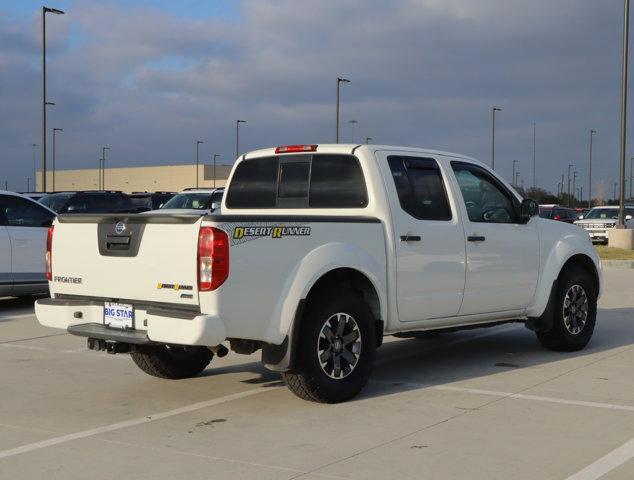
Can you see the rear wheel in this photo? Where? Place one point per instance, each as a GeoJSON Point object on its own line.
{"type": "Point", "coordinates": [171, 361]}
{"type": "Point", "coordinates": [574, 313]}
{"type": "Point", "coordinates": [336, 349]}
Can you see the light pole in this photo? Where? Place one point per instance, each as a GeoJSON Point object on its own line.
{"type": "Point", "coordinates": [534, 148]}
{"type": "Point", "coordinates": [631, 175]}
{"type": "Point", "coordinates": [615, 183]}
{"type": "Point", "coordinates": [198, 142]}
{"type": "Point", "coordinates": [352, 124]}
{"type": "Point", "coordinates": [215, 156]}
{"type": "Point", "coordinates": [55, 11]}
{"type": "Point", "coordinates": [515, 162]}
{"type": "Point", "coordinates": [339, 81]}
{"type": "Point", "coordinates": [570, 165]}
{"type": "Point", "coordinates": [592, 132]}
{"type": "Point", "coordinates": [574, 188]}
{"type": "Point", "coordinates": [34, 145]}
{"type": "Point", "coordinates": [493, 110]}
{"type": "Point", "coordinates": [626, 27]}
{"type": "Point", "coordinates": [367, 140]}
{"type": "Point", "coordinates": [581, 196]}
{"type": "Point", "coordinates": [516, 181]}
{"type": "Point", "coordinates": [103, 167]}
{"type": "Point", "coordinates": [54, 131]}
{"type": "Point", "coordinates": [238, 122]}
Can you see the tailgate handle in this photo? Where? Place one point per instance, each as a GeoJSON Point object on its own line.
{"type": "Point", "coordinates": [117, 242]}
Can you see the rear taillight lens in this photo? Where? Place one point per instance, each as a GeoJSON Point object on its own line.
{"type": "Point", "coordinates": [49, 254]}
{"type": "Point", "coordinates": [557, 217]}
{"type": "Point", "coordinates": [213, 258]}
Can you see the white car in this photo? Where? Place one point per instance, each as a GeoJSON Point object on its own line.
{"type": "Point", "coordinates": [192, 201]}
{"type": "Point", "coordinates": [599, 220]}
{"type": "Point", "coordinates": [320, 251]}
{"type": "Point", "coordinates": [24, 225]}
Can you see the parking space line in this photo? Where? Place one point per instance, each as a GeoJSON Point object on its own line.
{"type": "Point", "coordinates": [607, 463]}
{"type": "Point", "coordinates": [12, 317]}
{"type": "Point", "coordinates": [134, 422]}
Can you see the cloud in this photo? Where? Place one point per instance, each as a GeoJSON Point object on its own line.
{"type": "Point", "coordinates": [424, 72]}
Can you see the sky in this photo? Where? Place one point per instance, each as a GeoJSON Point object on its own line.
{"type": "Point", "coordinates": [149, 78]}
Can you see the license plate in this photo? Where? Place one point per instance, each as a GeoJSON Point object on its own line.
{"type": "Point", "coordinates": [118, 315]}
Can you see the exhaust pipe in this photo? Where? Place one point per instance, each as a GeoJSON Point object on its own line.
{"type": "Point", "coordinates": [219, 350]}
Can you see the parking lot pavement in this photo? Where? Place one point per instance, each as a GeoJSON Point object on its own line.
{"type": "Point", "coordinates": [481, 404]}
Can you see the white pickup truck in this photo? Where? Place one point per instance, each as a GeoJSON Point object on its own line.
{"type": "Point", "coordinates": [318, 252]}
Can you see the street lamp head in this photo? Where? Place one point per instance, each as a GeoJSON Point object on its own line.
{"type": "Point", "coordinates": [497, 109]}
{"type": "Point", "coordinates": [592, 132]}
{"type": "Point", "coordinates": [49, 103]}
{"type": "Point", "coordinates": [199, 141]}
{"type": "Point", "coordinates": [342, 80]}
{"type": "Point", "coordinates": [352, 121]}
{"type": "Point", "coordinates": [241, 121]}
{"type": "Point", "coordinates": [56, 11]}
{"type": "Point", "coordinates": [58, 129]}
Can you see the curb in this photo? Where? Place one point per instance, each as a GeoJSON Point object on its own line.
{"type": "Point", "coordinates": [617, 264]}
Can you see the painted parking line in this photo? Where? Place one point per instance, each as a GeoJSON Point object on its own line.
{"type": "Point", "coordinates": [4, 318]}
{"type": "Point", "coordinates": [132, 423]}
{"type": "Point", "coordinates": [606, 464]}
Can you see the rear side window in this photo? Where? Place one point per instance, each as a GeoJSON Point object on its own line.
{"type": "Point", "coordinates": [298, 181]}
{"type": "Point", "coordinates": [420, 187]}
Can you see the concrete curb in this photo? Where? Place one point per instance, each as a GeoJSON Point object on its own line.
{"type": "Point", "coordinates": [617, 264]}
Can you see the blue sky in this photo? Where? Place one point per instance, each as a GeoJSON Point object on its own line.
{"type": "Point", "coordinates": [149, 78]}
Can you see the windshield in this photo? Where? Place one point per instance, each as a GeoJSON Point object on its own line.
{"type": "Point", "coordinates": [607, 213]}
{"type": "Point", "coordinates": [56, 201]}
{"type": "Point", "coordinates": [196, 201]}
{"type": "Point", "coordinates": [546, 212]}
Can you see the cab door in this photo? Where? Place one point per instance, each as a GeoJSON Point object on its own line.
{"type": "Point", "coordinates": [502, 252]}
{"type": "Point", "coordinates": [430, 244]}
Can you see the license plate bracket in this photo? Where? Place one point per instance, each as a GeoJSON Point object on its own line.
{"type": "Point", "coordinates": [118, 315]}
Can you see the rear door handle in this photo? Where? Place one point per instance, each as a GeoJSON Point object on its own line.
{"type": "Point", "coordinates": [410, 238]}
{"type": "Point", "coordinates": [475, 238]}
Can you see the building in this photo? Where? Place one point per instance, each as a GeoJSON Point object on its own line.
{"type": "Point", "coordinates": [169, 178]}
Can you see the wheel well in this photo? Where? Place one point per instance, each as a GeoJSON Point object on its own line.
{"type": "Point", "coordinates": [585, 263]}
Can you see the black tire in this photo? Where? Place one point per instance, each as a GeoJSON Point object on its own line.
{"type": "Point", "coordinates": [564, 336]}
{"type": "Point", "coordinates": [172, 362]}
{"type": "Point", "coordinates": [309, 380]}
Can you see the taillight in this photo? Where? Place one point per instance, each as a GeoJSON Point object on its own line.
{"type": "Point", "coordinates": [49, 254]}
{"type": "Point", "coordinates": [296, 148]}
{"type": "Point", "coordinates": [213, 258]}
{"type": "Point", "coordinates": [557, 217]}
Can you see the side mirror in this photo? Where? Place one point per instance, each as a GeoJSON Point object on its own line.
{"type": "Point", "coordinates": [628, 217]}
{"type": "Point", "coordinates": [161, 205]}
{"type": "Point", "coordinates": [215, 205]}
{"type": "Point", "coordinates": [580, 217]}
{"type": "Point", "coordinates": [529, 209]}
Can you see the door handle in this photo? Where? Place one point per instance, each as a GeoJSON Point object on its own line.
{"type": "Point", "coordinates": [476, 238]}
{"type": "Point", "coordinates": [410, 238]}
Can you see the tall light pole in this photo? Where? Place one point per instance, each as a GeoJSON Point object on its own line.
{"type": "Point", "coordinates": [34, 145]}
{"type": "Point", "coordinates": [54, 131]}
{"type": "Point", "coordinates": [516, 181]}
{"type": "Point", "coordinates": [352, 124]}
{"type": "Point", "coordinates": [615, 184]}
{"type": "Point", "coordinates": [493, 110]}
{"type": "Point", "coordinates": [238, 122]}
{"type": "Point", "coordinates": [570, 165]}
{"type": "Point", "coordinates": [367, 140]}
{"type": "Point", "coordinates": [103, 167]}
{"type": "Point", "coordinates": [592, 132]}
{"type": "Point", "coordinates": [626, 28]}
{"type": "Point", "coordinates": [215, 156]}
{"type": "Point", "coordinates": [581, 196]}
{"type": "Point", "coordinates": [339, 81]}
{"type": "Point", "coordinates": [198, 142]}
{"type": "Point", "coordinates": [55, 11]}
{"type": "Point", "coordinates": [631, 175]}
{"type": "Point", "coordinates": [534, 148]}
{"type": "Point", "coordinates": [574, 186]}
{"type": "Point", "coordinates": [515, 162]}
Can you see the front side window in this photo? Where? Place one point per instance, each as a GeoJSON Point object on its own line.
{"type": "Point", "coordinates": [18, 212]}
{"type": "Point", "coordinates": [486, 200]}
{"type": "Point", "coordinates": [420, 187]}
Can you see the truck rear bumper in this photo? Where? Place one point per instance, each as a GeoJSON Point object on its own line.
{"type": "Point", "coordinates": [160, 326]}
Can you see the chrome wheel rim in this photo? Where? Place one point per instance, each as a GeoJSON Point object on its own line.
{"type": "Point", "coordinates": [339, 346]}
{"type": "Point", "coordinates": [575, 310]}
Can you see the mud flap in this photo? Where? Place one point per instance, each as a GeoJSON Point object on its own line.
{"type": "Point", "coordinates": [544, 323]}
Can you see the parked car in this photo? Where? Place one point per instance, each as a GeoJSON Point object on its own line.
{"type": "Point", "coordinates": [146, 201]}
{"type": "Point", "coordinates": [557, 212]}
{"type": "Point", "coordinates": [33, 195]}
{"type": "Point", "coordinates": [24, 227]}
{"type": "Point", "coordinates": [319, 252]}
{"type": "Point", "coordinates": [599, 220]}
{"type": "Point", "coordinates": [88, 202]}
{"type": "Point", "coordinates": [197, 201]}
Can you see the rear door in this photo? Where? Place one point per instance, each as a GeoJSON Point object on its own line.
{"type": "Point", "coordinates": [430, 243]}
{"type": "Point", "coordinates": [27, 226]}
{"type": "Point", "coordinates": [502, 253]}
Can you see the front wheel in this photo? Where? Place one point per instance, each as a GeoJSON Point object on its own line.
{"type": "Point", "coordinates": [172, 361]}
{"type": "Point", "coordinates": [336, 349]}
{"type": "Point", "coordinates": [574, 313]}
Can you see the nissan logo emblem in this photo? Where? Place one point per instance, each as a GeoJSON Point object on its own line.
{"type": "Point", "coordinates": [119, 228]}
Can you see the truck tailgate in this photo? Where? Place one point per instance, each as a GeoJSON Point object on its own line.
{"type": "Point", "coordinates": [134, 257]}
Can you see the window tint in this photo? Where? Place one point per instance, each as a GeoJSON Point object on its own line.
{"type": "Point", "coordinates": [294, 180]}
{"type": "Point", "coordinates": [56, 201]}
{"type": "Point", "coordinates": [485, 198]}
{"type": "Point", "coordinates": [336, 181]}
{"type": "Point", "coordinates": [18, 212]}
{"type": "Point", "coordinates": [254, 184]}
{"type": "Point", "coordinates": [420, 187]}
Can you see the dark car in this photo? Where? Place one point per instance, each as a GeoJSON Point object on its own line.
{"type": "Point", "coordinates": [88, 202]}
{"type": "Point", "coordinates": [557, 212]}
{"type": "Point", "coordinates": [145, 201]}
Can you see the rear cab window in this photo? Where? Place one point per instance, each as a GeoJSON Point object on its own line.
{"type": "Point", "coordinates": [298, 181]}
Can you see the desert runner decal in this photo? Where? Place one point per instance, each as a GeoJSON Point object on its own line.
{"type": "Point", "coordinates": [240, 233]}
{"type": "Point", "coordinates": [173, 286]}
